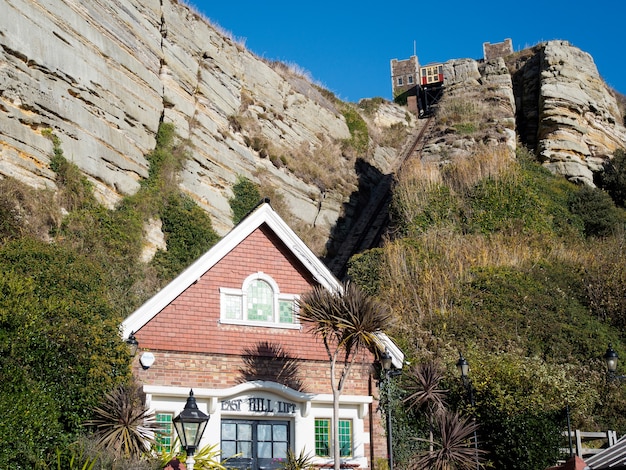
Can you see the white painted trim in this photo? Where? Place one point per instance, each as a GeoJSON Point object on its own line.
{"type": "Point", "coordinates": [257, 385]}
{"type": "Point", "coordinates": [397, 356]}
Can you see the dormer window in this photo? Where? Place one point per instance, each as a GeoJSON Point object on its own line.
{"type": "Point", "coordinates": [259, 302]}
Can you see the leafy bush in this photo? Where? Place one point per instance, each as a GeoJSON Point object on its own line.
{"type": "Point", "coordinates": [365, 270]}
{"type": "Point", "coordinates": [59, 345]}
{"type": "Point", "coordinates": [597, 211]}
{"type": "Point", "coordinates": [613, 179]}
{"type": "Point", "coordinates": [522, 442]}
{"type": "Point", "coordinates": [188, 233]}
{"type": "Point", "coordinates": [246, 196]}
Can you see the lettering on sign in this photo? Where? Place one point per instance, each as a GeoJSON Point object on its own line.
{"type": "Point", "coordinates": [259, 405]}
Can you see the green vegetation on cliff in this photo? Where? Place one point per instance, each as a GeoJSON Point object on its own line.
{"type": "Point", "coordinates": [524, 273]}
{"type": "Point", "coordinates": [67, 282]}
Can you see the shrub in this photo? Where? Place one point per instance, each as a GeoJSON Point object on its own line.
{"type": "Point", "coordinates": [613, 179]}
{"type": "Point", "coordinates": [597, 211]}
{"type": "Point", "coordinates": [188, 233]}
{"type": "Point", "coordinates": [246, 196]}
{"type": "Point", "coordinates": [365, 270]}
{"type": "Point", "coordinates": [59, 345]}
{"type": "Point", "coordinates": [75, 191]}
{"type": "Point", "coordinates": [359, 140]}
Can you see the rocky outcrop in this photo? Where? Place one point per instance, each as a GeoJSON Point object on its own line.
{"type": "Point", "coordinates": [477, 110]}
{"type": "Point", "coordinates": [579, 121]}
{"type": "Point", "coordinates": [551, 96]}
{"type": "Point", "coordinates": [102, 74]}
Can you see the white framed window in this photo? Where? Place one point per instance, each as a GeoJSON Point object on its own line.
{"type": "Point", "coordinates": [410, 79]}
{"type": "Point", "coordinates": [400, 82]}
{"type": "Point", "coordinates": [259, 302]}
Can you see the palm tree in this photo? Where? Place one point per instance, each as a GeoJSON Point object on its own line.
{"type": "Point", "coordinates": [123, 425]}
{"type": "Point", "coordinates": [347, 322]}
{"type": "Point", "coordinates": [455, 450]}
{"type": "Point", "coordinates": [424, 388]}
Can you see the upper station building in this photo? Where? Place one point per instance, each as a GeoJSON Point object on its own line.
{"type": "Point", "coordinates": [227, 327]}
{"type": "Point", "coordinates": [420, 87]}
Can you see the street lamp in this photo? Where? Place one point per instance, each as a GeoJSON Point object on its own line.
{"type": "Point", "coordinates": [190, 425]}
{"type": "Point", "coordinates": [386, 360]}
{"type": "Point", "coordinates": [611, 358]}
{"type": "Point", "coordinates": [463, 367]}
{"type": "Point", "coordinates": [133, 344]}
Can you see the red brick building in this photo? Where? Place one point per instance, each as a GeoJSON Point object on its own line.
{"type": "Point", "coordinates": [227, 327]}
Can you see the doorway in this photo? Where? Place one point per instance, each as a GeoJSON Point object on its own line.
{"type": "Point", "coordinates": [254, 444]}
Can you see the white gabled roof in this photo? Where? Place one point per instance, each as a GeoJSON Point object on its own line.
{"type": "Point", "coordinates": [263, 214]}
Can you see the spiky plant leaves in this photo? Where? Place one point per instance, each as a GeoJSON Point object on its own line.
{"type": "Point", "coordinates": [348, 319]}
{"type": "Point", "coordinates": [302, 461]}
{"type": "Point", "coordinates": [456, 448]}
{"type": "Point", "coordinates": [208, 458]}
{"type": "Point", "coordinates": [424, 386]}
{"type": "Point", "coordinates": [123, 425]}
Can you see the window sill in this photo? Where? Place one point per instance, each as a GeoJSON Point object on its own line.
{"type": "Point", "coordinates": [284, 326]}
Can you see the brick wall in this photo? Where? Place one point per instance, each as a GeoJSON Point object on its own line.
{"type": "Point", "coordinates": [191, 322]}
{"type": "Point", "coordinates": [220, 371]}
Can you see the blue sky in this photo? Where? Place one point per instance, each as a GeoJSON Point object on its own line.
{"type": "Point", "coordinates": [347, 46]}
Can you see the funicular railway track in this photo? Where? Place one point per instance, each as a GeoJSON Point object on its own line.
{"type": "Point", "coordinates": [373, 219]}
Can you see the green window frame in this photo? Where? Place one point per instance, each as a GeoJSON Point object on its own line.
{"type": "Point", "coordinates": [164, 436]}
{"type": "Point", "coordinates": [323, 441]}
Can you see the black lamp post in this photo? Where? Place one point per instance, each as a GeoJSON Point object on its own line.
{"type": "Point", "coordinates": [387, 363]}
{"type": "Point", "coordinates": [463, 367]}
{"type": "Point", "coordinates": [190, 425]}
{"type": "Point", "coordinates": [133, 344]}
{"type": "Point", "coordinates": [611, 358]}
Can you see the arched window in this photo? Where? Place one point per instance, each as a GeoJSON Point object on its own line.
{"type": "Point", "coordinates": [259, 302]}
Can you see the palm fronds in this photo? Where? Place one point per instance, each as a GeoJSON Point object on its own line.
{"type": "Point", "coordinates": [424, 386]}
{"type": "Point", "coordinates": [456, 448]}
{"type": "Point", "coordinates": [349, 318]}
{"type": "Point", "coordinates": [122, 423]}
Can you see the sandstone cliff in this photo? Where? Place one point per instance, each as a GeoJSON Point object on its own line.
{"type": "Point", "coordinates": [103, 74]}
{"type": "Point", "coordinates": [565, 111]}
{"type": "Point", "coordinates": [549, 98]}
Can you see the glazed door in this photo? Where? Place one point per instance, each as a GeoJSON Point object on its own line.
{"type": "Point", "coordinates": [254, 444]}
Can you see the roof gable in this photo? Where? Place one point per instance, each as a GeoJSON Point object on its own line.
{"type": "Point", "coordinates": [262, 215]}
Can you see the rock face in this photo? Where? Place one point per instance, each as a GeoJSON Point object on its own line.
{"type": "Point", "coordinates": [102, 75]}
{"type": "Point", "coordinates": [578, 118]}
{"type": "Point", "coordinates": [551, 97]}
{"type": "Point", "coordinates": [477, 109]}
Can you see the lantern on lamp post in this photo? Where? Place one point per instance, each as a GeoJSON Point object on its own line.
{"type": "Point", "coordinates": [132, 344]}
{"type": "Point", "coordinates": [611, 358]}
{"type": "Point", "coordinates": [463, 367]}
{"type": "Point", "coordinates": [190, 425]}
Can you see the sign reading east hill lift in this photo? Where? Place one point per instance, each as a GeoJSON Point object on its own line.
{"type": "Point", "coordinates": [254, 404]}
